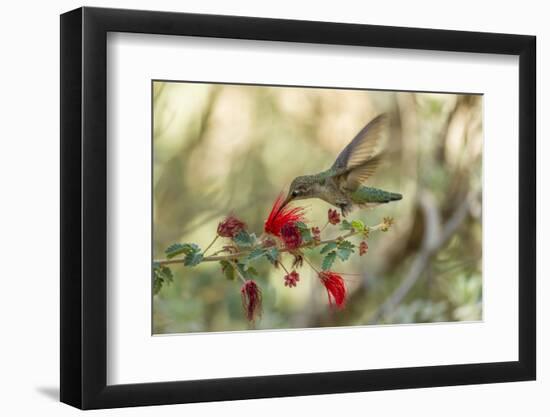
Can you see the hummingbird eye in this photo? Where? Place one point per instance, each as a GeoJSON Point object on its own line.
{"type": "Point", "coordinates": [294, 193]}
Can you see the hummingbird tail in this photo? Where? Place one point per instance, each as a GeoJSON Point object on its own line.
{"type": "Point", "coordinates": [373, 196]}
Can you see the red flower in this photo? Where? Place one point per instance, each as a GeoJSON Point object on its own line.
{"type": "Point", "coordinates": [292, 279]}
{"type": "Point", "coordinates": [291, 235]}
{"type": "Point", "coordinates": [363, 248]}
{"type": "Point", "coordinates": [316, 232]}
{"type": "Point", "coordinates": [230, 227]}
{"type": "Point", "coordinates": [333, 216]}
{"type": "Point", "coordinates": [280, 215]}
{"type": "Point", "coordinates": [251, 296]}
{"type": "Point", "coordinates": [336, 289]}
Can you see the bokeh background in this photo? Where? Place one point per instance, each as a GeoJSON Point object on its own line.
{"type": "Point", "coordinates": [221, 149]}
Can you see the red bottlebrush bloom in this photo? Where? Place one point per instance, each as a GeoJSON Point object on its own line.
{"type": "Point", "coordinates": [280, 216]}
{"type": "Point", "coordinates": [292, 279]}
{"type": "Point", "coordinates": [251, 296]}
{"type": "Point", "coordinates": [291, 236]}
{"type": "Point", "coordinates": [230, 227]}
{"type": "Point", "coordinates": [363, 248]}
{"type": "Point", "coordinates": [333, 216]}
{"type": "Point", "coordinates": [316, 233]}
{"type": "Point", "coordinates": [336, 289]}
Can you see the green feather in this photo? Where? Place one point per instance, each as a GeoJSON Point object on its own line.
{"type": "Point", "coordinates": [365, 195]}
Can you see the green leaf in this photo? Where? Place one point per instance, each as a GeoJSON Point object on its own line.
{"type": "Point", "coordinates": [272, 254]}
{"type": "Point", "coordinates": [191, 251]}
{"type": "Point", "coordinates": [358, 225]}
{"type": "Point", "coordinates": [179, 248]}
{"type": "Point", "coordinates": [346, 244]}
{"type": "Point", "coordinates": [329, 246]}
{"type": "Point", "coordinates": [157, 285]}
{"type": "Point", "coordinates": [192, 259]}
{"type": "Point", "coordinates": [242, 269]}
{"type": "Point", "coordinates": [306, 235]}
{"type": "Point", "coordinates": [252, 271]}
{"type": "Point", "coordinates": [255, 254]}
{"type": "Point", "coordinates": [167, 272]}
{"type": "Point", "coordinates": [252, 256]}
{"type": "Point", "coordinates": [328, 260]}
{"type": "Point", "coordinates": [301, 225]}
{"type": "Point", "coordinates": [175, 249]}
{"type": "Point", "coordinates": [161, 275]}
{"type": "Point", "coordinates": [228, 270]}
{"type": "Point", "coordinates": [244, 240]}
{"type": "Point", "coordinates": [305, 232]}
{"type": "Point", "coordinates": [345, 225]}
{"type": "Point", "coordinates": [345, 249]}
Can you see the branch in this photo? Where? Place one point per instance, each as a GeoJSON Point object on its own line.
{"type": "Point", "coordinates": [433, 240]}
{"type": "Point", "coordinates": [216, 258]}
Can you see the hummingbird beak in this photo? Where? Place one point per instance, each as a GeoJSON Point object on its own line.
{"type": "Point", "coordinates": [288, 199]}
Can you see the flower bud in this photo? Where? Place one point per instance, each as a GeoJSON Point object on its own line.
{"type": "Point", "coordinates": [230, 227]}
{"type": "Point", "coordinates": [292, 279]}
{"type": "Point", "coordinates": [363, 248]}
{"type": "Point", "coordinates": [291, 235]}
{"type": "Point", "coordinates": [333, 216]}
{"type": "Point", "coordinates": [251, 296]}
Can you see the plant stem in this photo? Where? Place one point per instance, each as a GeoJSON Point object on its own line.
{"type": "Point", "coordinates": [238, 272]}
{"type": "Point", "coordinates": [311, 265]}
{"type": "Point", "coordinates": [282, 265]}
{"type": "Point", "coordinates": [211, 243]}
{"type": "Point", "coordinates": [216, 258]}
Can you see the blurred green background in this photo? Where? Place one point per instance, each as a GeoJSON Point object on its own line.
{"type": "Point", "coordinates": [221, 149]}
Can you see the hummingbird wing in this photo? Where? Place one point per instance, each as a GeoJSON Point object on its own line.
{"type": "Point", "coordinates": [359, 160]}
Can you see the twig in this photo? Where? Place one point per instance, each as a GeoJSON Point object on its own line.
{"type": "Point", "coordinates": [238, 272]}
{"type": "Point", "coordinates": [216, 258]}
{"type": "Point", "coordinates": [433, 240]}
{"type": "Point", "coordinates": [311, 265]}
{"type": "Point", "coordinates": [211, 243]}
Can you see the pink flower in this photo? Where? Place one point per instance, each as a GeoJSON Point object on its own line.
{"type": "Point", "coordinates": [291, 235]}
{"type": "Point", "coordinates": [292, 279]}
{"type": "Point", "coordinates": [316, 233]}
{"type": "Point", "coordinates": [333, 216]}
{"type": "Point", "coordinates": [251, 296]}
{"type": "Point", "coordinates": [281, 215]}
{"type": "Point", "coordinates": [363, 248]}
{"type": "Point", "coordinates": [336, 289]}
{"type": "Point", "coordinates": [230, 227]}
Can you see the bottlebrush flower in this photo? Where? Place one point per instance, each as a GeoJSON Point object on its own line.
{"type": "Point", "coordinates": [336, 289]}
{"type": "Point", "coordinates": [251, 296]}
{"type": "Point", "coordinates": [291, 235]}
{"type": "Point", "coordinates": [292, 279]}
{"type": "Point", "coordinates": [363, 248]}
{"type": "Point", "coordinates": [333, 216]}
{"type": "Point", "coordinates": [230, 227]}
{"type": "Point", "coordinates": [280, 216]}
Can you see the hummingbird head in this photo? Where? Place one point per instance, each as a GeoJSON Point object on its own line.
{"type": "Point", "coordinates": [300, 188]}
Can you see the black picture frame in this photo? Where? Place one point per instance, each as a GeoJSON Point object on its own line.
{"type": "Point", "coordinates": [84, 207]}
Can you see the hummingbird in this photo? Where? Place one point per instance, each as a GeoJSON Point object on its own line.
{"type": "Point", "coordinates": [342, 185]}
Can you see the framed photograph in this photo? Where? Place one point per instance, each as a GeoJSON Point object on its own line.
{"type": "Point", "coordinates": [257, 208]}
